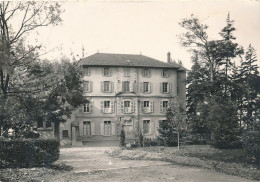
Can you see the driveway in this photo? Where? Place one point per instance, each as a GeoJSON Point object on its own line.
{"type": "Point", "coordinates": [91, 164]}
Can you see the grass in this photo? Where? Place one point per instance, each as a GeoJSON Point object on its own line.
{"type": "Point", "coordinates": [228, 161]}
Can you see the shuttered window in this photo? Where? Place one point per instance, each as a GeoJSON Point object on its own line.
{"type": "Point", "coordinates": [146, 87]}
{"type": "Point", "coordinates": [165, 87]}
{"type": "Point", "coordinates": [86, 71]}
{"type": "Point", "coordinates": [146, 72]}
{"type": "Point", "coordinates": [165, 73]}
{"type": "Point", "coordinates": [87, 128]}
{"type": "Point", "coordinates": [165, 106]}
{"type": "Point", "coordinates": [126, 86]}
{"type": "Point", "coordinates": [146, 126]}
{"type": "Point", "coordinates": [65, 133]}
{"type": "Point", "coordinates": [107, 128]}
{"type": "Point", "coordinates": [106, 72]}
{"type": "Point", "coordinates": [106, 86]}
{"type": "Point", "coordinates": [126, 71]}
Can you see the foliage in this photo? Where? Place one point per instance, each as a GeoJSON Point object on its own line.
{"type": "Point", "coordinates": [28, 152]}
{"type": "Point", "coordinates": [169, 130]}
{"type": "Point", "coordinates": [122, 138]}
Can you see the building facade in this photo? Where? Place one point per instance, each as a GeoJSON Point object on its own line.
{"type": "Point", "coordinates": [124, 91]}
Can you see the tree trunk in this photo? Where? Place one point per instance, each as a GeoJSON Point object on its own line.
{"type": "Point", "coordinates": [57, 130]}
{"type": "Point", "coordinates": [178, 136]}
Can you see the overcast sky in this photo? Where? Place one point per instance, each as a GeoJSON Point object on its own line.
{"type": "Point", "coordinates": [149, 28]}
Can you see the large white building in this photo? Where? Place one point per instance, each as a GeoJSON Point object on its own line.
{"type": "Point", "coordinates": [125, 91]}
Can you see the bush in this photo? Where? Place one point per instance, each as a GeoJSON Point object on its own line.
{"type": "Point", "coordinates": [28, 152]}
{"type": "Point", "coordinates": [122, 138]}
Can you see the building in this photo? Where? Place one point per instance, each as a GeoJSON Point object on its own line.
{"type": "Point", "coordinates": [129, 91]}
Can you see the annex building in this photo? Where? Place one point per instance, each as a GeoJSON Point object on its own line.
{"type": "Point", "coordinates": [124, 91]}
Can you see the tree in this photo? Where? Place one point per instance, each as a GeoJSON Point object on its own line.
{"type": "Point", "coordinates": [175, 122]}
{"type": "Point", "coordinates": [15, 55]}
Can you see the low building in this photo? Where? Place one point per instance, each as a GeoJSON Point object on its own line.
{"type": "Point", "coordinates": [124, 91]}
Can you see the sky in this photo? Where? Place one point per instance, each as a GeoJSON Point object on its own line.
{"type": "Point", "coordinates": [150, 28]}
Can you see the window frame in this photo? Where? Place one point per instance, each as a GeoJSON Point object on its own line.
{"type": "Point", "coordinates": [126, 71]}
{"type": "Point", "coordinates": [67, 134]}
{"type": "Point", "coordinates": [106, 71]}
{"type": "Point", "coordinates": [110, 131]}
{"type": "Point", "coordinates": [163, 87]}
{"type": "Point", "coordinates": [146, 126]}
{"type": "Point", "coordinates": [107, 86]}
{"type": "Point", "coordinates": [146, 72]}
{"type": "Point", "coordinates": [87, 128]}
{"type": "Point", "coordinates": [86, 71]}
{"type": "Point", "coordinates": [165, 73]}
{"type": "Point", "coordinates": [126, 85]}
{"type": "Point", "coordinates": [146, 87]}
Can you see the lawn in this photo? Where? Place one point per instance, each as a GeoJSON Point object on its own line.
{"type": "Point", "coordinates": [228, 161]}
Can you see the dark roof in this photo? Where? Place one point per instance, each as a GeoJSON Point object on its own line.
{"type": "Point", "coordinates": [126, 60]}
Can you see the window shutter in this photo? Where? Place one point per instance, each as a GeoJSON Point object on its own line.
{"type": "Point", "coordinates": [88, 70]}
{"type": "Point", "coordinates": [81, 128]}
{"type": "Point", "coordinates": [142, 106]}
{"type": "Point", "coordinates": [161, 87]}
{"type": "Point", "coordinates": [141, 87]}
{"type": "Point", "coordinates": [103, 71]}
{"type": "Point", "coordinates": [102, 106]}
{"type": "Point", "coordinates": [151, 87]}
{"type": "Point", "coordinates": [102, 86]}
{"type": "Point", "coordinates": [131, 87]}
{"type": "Point", "coordinates": [151, 127]}
{"type": "Point", "coordinates": [92, 128]}
{"type": "Point", "coordinates": [142, 72]}
{"type": "Point", "coordinates": [102, 128]}
{"type": "Point", "coordinates": [123, 83]}
{"type": "Point", "coordinates": [132, 107]}
{"type": "Point", "coordinates": [122, 106]}
{"type": "Point", "coordinates": [113, 129]}
{"type": "Point", "coordinates": [162, 73]}
{"type": "Point", "coordinates": [110, 71]}
{"type": "Point", "coordinates": [134, 87]}
{"type": "Point", "coordinates": [111, 87]}
{"type": "Point", "coordinates": [151, 106]}
{"type": "Point", "coordinates": [149, 73]}
{"type": "Point", "coordinates": [91, 86]}
{"type": "Point", "coordinates": [161, 107]}
{"type": "Point", "coordinates": [170, 87]}
{"type": "Point", "coordinates": [91, 106]}
{"type": "Point", "coordinates": [112, 106]}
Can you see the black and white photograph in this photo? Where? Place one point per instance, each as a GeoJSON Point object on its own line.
{"type": "Point", "coordinates": [133, 90]}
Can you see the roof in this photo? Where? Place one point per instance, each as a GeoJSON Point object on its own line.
{"type": "Point", "coordinates": [127, 60]}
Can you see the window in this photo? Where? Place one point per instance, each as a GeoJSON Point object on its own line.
{"type": "Point", "coordinates": [107, 104]}
{"type": "Point", "coordinates": [106, 86]}
{"type": "Point", "coordinates": [107, 128]}
{"type": "Point", "coordinates": [146, 126]}
{"type": "Point", "coordinates": [165, 73]}
{"type": "Point", "coordinates": [86, 108]}
{"type": "Point", "coordinates": [86, 86]}
{"type": "Point", "coordinates": [40, 123]}
{"type": "Point", "coordinates": [146, 72]}
{"type": "Point", "coordinates": [106, 72]}
{"type": "Point", "coordinates": [146, 87]}
{"type": "Point", "coordinates": [165, 106]}
{"type": "Point", "coordinates": [86, 128]}
{"type": "Point", "coordinates": [65, 133]}
{"type": "Point", "coordinates": [86, 71]}
{"type": "Point", "coordinates": [146, 103]}
{"type": "Point", "coordinates": [165, 87]}
{"type": "Point", "coordinates": [127, 108]}
{"type": "Point", "coordinates": [126, 87]}
{"type": "Point", "coordinates": [43, 124]}
{"type": "Point", "coordinates": [126, 71]}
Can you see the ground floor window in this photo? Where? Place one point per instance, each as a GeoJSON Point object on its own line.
{"type": "Point", "coordinates": [146, 126]}
{"type": "Point", "coordinates": [65, 133]}
{"type": "Point", "coordinates": [86, 128]}
{"type": "Point", "coordinates": [107, 128]}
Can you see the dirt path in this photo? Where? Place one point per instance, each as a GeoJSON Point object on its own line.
{"type": "Point", "coordinates": [91, 164]}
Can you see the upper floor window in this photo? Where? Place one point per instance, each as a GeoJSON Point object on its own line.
{"type": "Point", "coordinates": [126, 86]}
{"type": "Point", "coordinates": [86, 71]}
{"type": "Point", "coordinates": [165, 73]}
{"type": "Point", "coordinates": [107, 106]}
{"type": "Point", "coordinates": [106, 72]}
{"type": "Point", "coordinates": [127, 106]}
{"type": "Point", "coordinates": [146, 126]}
{"type": "Point", "coordinates": [165, 87]}
{"type": "Point", "coordinates": [163, 106]}
{"type": "Point", "coordinates": [87, 108]}
{"type": "Point", "coordinates": [146, 72]}
{"type": "Point", "coordinates": [87, 85]}
{"type": "Point", "coordinates": [126, 71]}
{"type": "Point", "coordinates": [146, 87]}
{"type": "Point", "coordinates": [147, 106]}
{"type": "Point", "coordinates": [107, 86]}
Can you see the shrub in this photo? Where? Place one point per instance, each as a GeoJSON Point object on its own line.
{"type": "Point", "coordinates": [28, 152]}
{"type": "Point", "coordinates": [122, 138]}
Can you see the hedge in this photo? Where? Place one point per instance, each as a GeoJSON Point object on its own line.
{"type": "Point", "coordinates": [28, 152]}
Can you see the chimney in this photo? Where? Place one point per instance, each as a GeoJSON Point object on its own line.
{"type": "Point", "coordinates": [168, 57]}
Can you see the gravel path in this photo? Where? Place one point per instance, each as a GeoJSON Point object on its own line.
{"type": "Point", "coordinates": [91, 164]}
